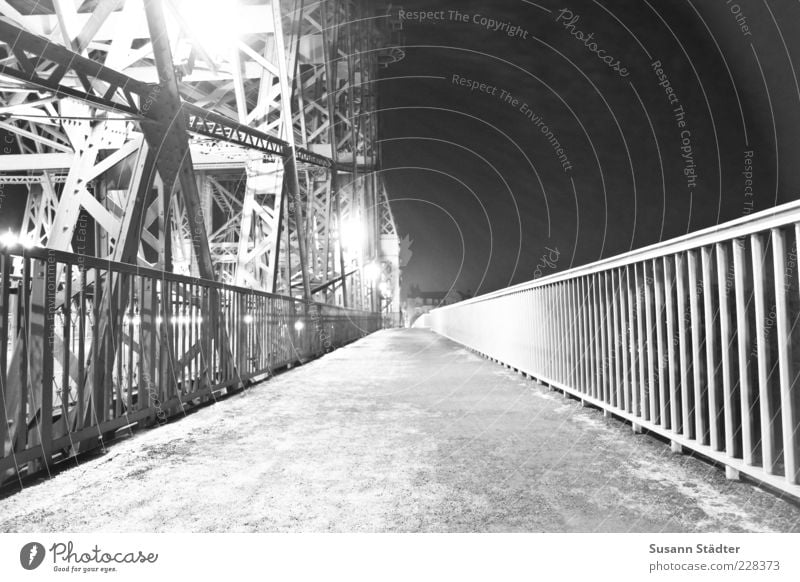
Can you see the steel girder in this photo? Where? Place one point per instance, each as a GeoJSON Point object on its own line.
{"type": "Point", "coordinates": [250, 164]}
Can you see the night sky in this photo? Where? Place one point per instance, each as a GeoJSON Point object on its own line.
{"type": "Point", "coordinates": [647, 152]}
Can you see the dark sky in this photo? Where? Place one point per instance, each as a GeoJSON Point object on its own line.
{"type": "Point", "coordinates": [461, 163]}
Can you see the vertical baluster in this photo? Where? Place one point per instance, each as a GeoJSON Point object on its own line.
{"type": "Point", "coordinates": [785, 369]}
{"type": "Point", "coordinates": [685, 393]}
{"type": "Point", "coordinates": [546, 315]}
{"type": "Point", "coordinates": [533, 296]}
{"type": "Point", "coordinates": [768, 404]}
{"type": "Point", "coordinates": [188, 332]}
{"type": "Point", "coordinates": [558, 298]}
{"type": "Point", "coordinates": [141, 383]}
{"type": "Point", "coordinates": [608, 332]}
{"type": "Point", "coordinates": [83, 315]}
{"type": "Point", "coordinates": [616, 339]}
{"type": "Point", "coordinates": [640, 344]}
{"type": "Point", "coordinates": [672, 364]}
{"type": "Point", "coordinates": [221, 326]}
{"type": "Point", "coordinates": [744, 345]}
{"type": "Point", "coordinates": [573, 318]}
{"type": "Point", "coordinates": [98, 393]}
{"type": "Point", "coordinates": [579, 295]}
{"type": "Point", "coordinates": [597, 337]}
{"type": "Point", "coordinates": [582, 304]}
{"type": "Point", "coordinates": [170, 382]}
{"type": "Point", "coordinates": [154, 367]}
{"type": "Point", "coordinates": [116, 308]}
{"type": "Point", "coordinates": [563, 340]}
{"type": "Point", "coordinates": [660, 319]}
{"type": "Point", "coordinates": [712, 333]}
{"type": "Point", "coordinates": [5, 317]}
{"type": "Point", "coordinates": [211, 325]}
{"type": "Point", "coordinates": [549, 347]}
{"type": "Point", "coordinates": [626, 327]}
{"type": "Point", "coordinates": [66, 311]}
{"type": "Point", "coordinates": [563, 372]}
{"type": "Point", "coordinates": [182, 335]}
{"type": "Point", "coordinates": [24, 330]}
{"type": "Point", "coordinates": [726, 343]}
{"type": "Point", "coordinates": [530, 332]}
{"type": "Point", "coordinates": [652, 348]}
{"type": "Point", "coordinates": [133, 325]}
{"type": "Point", "coordinates": [572, 334]}
{"type": "Point", "coordinates": [542, 332]}
{"type": "Point", "coordinates": [48, 357]}
{"type": "Point", "coordinates": [698, 378]}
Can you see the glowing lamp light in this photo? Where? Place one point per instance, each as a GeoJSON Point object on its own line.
{"type": "Point", "coordinates": [248, 319]}
{"type": "Point", "coordinates": [372, 272]}
{"type": "Point", "coordinates": [299, 325]}
{"type": "Point", "coordinates": [353, 236]}
{"type": "Point", "coordinates": [133, 320]}
{"type": "Point", "coordinates": [9, 239]}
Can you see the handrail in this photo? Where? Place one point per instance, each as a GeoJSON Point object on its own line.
{"type": "Point", "coordinates": [90, 262]}
{"type": "Point", "coordinates": [90, 346]}
{"type": "Point", "coordinates": [775, 217]}
{"type": "Point", "coordinates": [695, 339]}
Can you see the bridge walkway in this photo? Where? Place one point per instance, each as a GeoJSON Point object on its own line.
{"type": "Point", "coordinates": [402, 431]}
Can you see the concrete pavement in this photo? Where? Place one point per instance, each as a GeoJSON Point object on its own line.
{"type": "Point", "coordinates": [403, 431]}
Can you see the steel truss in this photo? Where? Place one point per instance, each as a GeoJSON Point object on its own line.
{"type": "Point", "coordinates": [251, 162]}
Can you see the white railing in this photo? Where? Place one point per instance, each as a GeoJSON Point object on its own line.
{"type": "Point", "coordinates": [696, 339]}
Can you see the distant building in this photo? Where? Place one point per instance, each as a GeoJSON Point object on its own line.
{"type": "Point", "coordinates": [419, 302]}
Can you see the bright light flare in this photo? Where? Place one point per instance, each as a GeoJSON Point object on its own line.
{"type": "Point", "coordinates": [133, 320]}
{"type": "Point", "coordinates": [9, 239]}
{"type": "Point", "coordinates": [214, 24]}
{"type": "Point", "coordinates": [372, 272]}
{"type": "Point", "coordinates": [353, 236]}
{"type": "Point", "coordinates": [299, 325]}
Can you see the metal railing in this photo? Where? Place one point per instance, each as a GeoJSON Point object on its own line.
{"type": "Point", "coordinates": [695, 339]}
{"type": "Point", "coordinates": [89, 347]}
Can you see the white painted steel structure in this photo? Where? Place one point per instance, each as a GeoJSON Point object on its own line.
{"type": "Point", "coordinates": [695, 339]}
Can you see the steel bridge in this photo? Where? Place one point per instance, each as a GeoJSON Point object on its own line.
{"type": "Point", "coordinates": [202, 208]}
